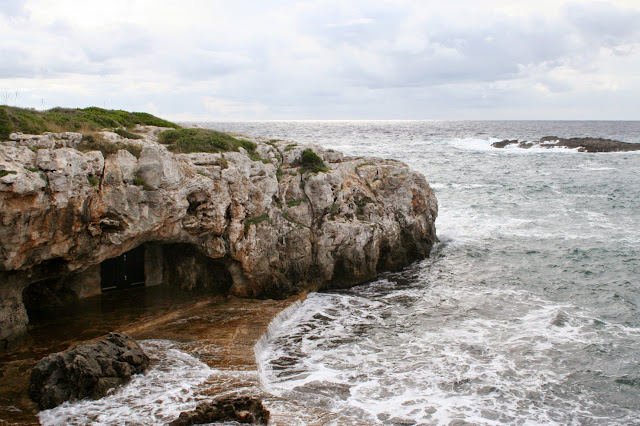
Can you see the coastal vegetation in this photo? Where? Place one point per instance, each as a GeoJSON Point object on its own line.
{"type": "Point", "coordinates": [312, 162]}
{"type": "Point", "coordinates": [186, 141]}
{"type": "Point", "coordinates": [94, 142]}
{"type": "Point", "coordinates": [82, 120]}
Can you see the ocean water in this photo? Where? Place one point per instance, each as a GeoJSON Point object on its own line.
{"type": "Point", "coordinates": [527, 311]}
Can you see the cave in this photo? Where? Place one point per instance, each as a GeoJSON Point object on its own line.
{"type": "Point", "coordinates": [181, 267]}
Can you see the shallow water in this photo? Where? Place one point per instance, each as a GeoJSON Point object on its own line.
{"type": "Point", "coordinates": [527, 311]}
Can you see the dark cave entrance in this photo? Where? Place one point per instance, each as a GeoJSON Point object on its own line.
{"type": "Point", "coordinates": [123, 272]}
{"type": "Point", "coordinates": [145, 276]}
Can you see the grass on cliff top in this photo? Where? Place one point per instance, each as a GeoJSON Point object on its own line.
{"type": "Point", "coordinates": [204, 140]}
{"type": "Point", "coordinates": [14, 119]}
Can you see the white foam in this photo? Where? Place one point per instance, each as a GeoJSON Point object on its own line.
{"type": "Point", "coordinates": [156, 397]}
{"type": "Point", "coordinates": [445, 355]}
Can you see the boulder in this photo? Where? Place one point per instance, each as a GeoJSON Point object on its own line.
{"type": "Point", "coordinates": [86, 371]}
{"type": "Point", "coordinates": [241, 409]}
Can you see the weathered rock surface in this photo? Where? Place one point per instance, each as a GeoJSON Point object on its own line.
{"type": "Point", "coordinates": [265, 229]}
{"type": "Point", "coordinates": [86, 371]}
{"type": "Point", "coordinates": [581, 144]}
{"type": "Point", "coordinates": [241, 409]}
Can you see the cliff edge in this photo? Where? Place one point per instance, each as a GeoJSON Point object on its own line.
{"type": "Point", "coordinates": [267, 219]}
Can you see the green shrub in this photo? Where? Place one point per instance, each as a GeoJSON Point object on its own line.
{"type": "Point", "coordinates": [139, 181]}
{"type": "Point", "coordinates": [222, 162]}
{"type": "Point", "coordinates": [256, 220]}
{"type": "Point", "coordinates": [206, 140]}
{"type": "Point", "coordinates": [310, 161]}
{"type": "Point", "coordinates": [295, 202]}
{"type": "Point", "coordinates": [93, 181]}
{"type": "Point", "coordinates": [96, 142]}
{"type": "Point", "coordinates": [5, 124]}
{"type": "Point", "coordinates": [14, 119]}
{"type": "Point", "coordinates": [3, 173]}
{"type": "Point", "coordinates": [128, 135]}
{"type": "Point", "coordinates": [33, 169]}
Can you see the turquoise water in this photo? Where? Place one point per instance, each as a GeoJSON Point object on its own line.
{"type": "Point", "coordinates": [527, 312]}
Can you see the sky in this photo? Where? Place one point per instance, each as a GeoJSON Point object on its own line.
{"type": "Point", "coordinates": [199, 60]}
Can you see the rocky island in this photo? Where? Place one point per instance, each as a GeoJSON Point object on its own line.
{"type": "Point", "coordinates": [580, 144]}
{"type": "Point", "coordinates": [127, 199]}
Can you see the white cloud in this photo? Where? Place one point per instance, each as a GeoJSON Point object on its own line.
{"type": "Point", "coordinates": [326, 58]}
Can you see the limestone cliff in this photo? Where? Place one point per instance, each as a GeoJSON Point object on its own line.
{"type": "Point", "coordinates": [252, 226]}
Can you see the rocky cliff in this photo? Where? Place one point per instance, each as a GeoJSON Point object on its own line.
{"type": "Point", "coordinates": [256, 224]}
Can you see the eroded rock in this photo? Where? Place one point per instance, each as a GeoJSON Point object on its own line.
{"type": "Point", "coordinates": [269, 226]}
{"type": "Point", "coordinates": [86, 371]}
{"type": "Point", "coordinates": [241, 409]}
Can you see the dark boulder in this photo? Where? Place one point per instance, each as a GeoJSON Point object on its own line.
{"type": "Point", "coordinates": [241, 409]}
{"type": "Point", "coordinates": [86, 371]}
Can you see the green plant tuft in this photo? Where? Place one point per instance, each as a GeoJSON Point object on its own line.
{"type": "Point", "coordinates": [295, 202]}
{"type": "Point", "coordinates": [311, 162]}
{"type": "Point", "coordinates": [96, 142]}
{"type": "Point", "coordinates": [256, 220]}
{"type": "Point", "coordinates": [126, 134]}
{"type": "Point", "coordinates": [3, 172]}
{"type": "Point", "coordinates": [93, 181]}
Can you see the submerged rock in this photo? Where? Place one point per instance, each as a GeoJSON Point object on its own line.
{"type": "Point", "coordinates": [241, 409]}
{"type": "Point", "coordinates": [257, 224]}
{"type": "Point", "coordinates": [86, 371]}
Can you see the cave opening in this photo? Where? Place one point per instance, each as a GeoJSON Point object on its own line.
{"type": "Point", "coordinates": [151, 276]}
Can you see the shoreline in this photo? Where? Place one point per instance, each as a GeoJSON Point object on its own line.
{"type": "Point", "coordinates": [221, 332]}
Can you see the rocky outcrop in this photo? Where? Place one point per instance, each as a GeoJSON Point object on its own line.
{"type": "Point", "coordinates": [581, 144]}
{"type": "Point", "coordinates": [241, 409]}
{"type": "Point", "coordinates": [86, 371]}
{"type": "Point", "coordinates": [252, 226]}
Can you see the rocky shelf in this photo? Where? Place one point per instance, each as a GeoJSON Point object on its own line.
{"type": "Point", "coordinates": [266, 219]}
{"type": "Point", "coordinates": [581, 144]}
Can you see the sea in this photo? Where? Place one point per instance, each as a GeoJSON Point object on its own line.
{"type": "Point", "coordinates": [527, 312]}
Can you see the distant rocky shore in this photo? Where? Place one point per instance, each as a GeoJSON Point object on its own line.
{"type": "Point", "coordinates": [581, 144]}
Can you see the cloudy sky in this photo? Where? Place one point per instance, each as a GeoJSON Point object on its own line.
{"type": "Point", "coordinates": [325, 59]}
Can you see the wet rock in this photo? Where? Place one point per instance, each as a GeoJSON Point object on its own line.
{"type": "Point", "coordinates": [581, 144]}
{"type": "Point", "coordinates": [241, 409]}
{"type": "Point", "coordinates": [504, 143]}
{"type": "Point", "coordinates": [86, 371]}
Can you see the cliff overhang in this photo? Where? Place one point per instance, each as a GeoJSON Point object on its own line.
{"type": "Point", "coordinates": [256, 221]}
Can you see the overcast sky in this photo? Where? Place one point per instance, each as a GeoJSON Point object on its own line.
{"type": "Point", "coordinates": [325, 59]}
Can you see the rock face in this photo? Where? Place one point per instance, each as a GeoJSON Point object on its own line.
{"type": "Point", "coordinates": [86, 371]}
{"type": "Point", "coordinates": [250, 227]}
{"type": "Point", "coordinates": [581, 144]}
{"type": "Point", "coordinates": [241, 409]}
